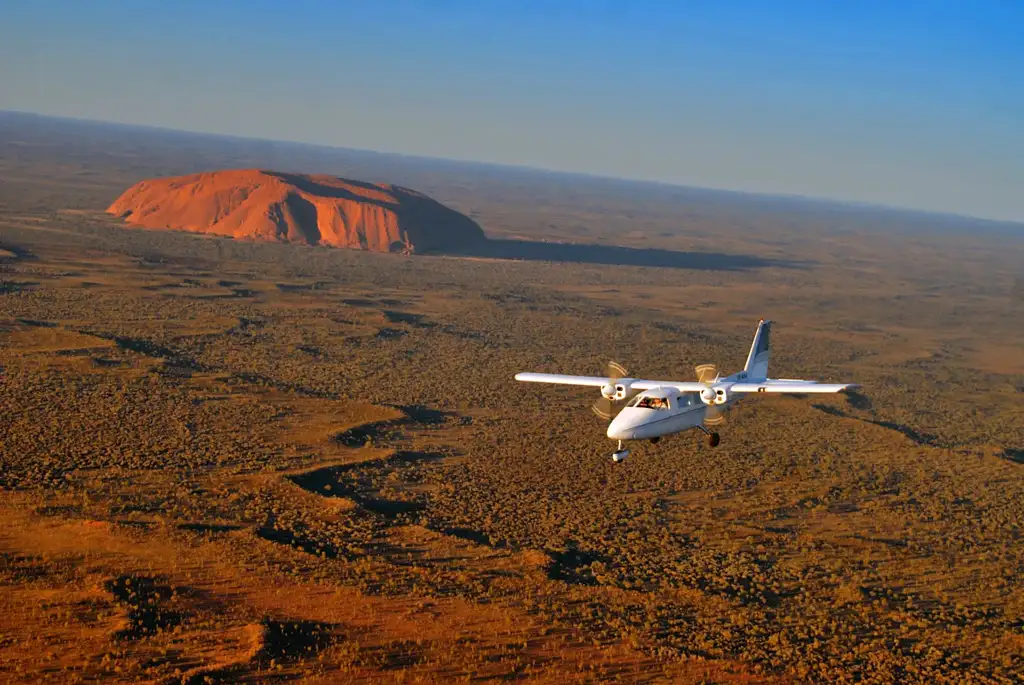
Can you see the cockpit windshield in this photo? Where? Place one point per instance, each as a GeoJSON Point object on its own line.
{"type": "Point", "coordinates": [683, 401]}
{"type": "Point", "coordinates": [646, 402]}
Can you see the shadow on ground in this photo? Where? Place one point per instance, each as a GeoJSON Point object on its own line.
{"type": "Point", "coordinates": [532, 250]}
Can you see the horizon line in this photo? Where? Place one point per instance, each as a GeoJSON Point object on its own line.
{"type": "Point", "coordinates": [845, 203]}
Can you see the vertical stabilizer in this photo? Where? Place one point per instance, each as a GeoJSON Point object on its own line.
{"type": "Point", "coordinates": [757, 361]}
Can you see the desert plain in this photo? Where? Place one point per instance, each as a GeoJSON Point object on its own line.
{"type": "Point", "coordinates": [240, 461]}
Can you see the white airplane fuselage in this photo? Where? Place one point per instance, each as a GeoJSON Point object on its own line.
{"type": "Point", "coordinates": [684, 411]}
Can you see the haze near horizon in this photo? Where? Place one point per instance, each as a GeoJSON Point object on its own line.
{"type": "Point", "coordinates": [917, 106]}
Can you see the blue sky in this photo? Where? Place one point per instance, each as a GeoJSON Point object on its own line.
{"type": "Point", "coordinates": [914, 104]}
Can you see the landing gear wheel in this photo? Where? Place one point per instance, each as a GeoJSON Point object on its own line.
{"type": "Point", "coordinates": [620, 454]}
{"type": "Point", "coordinates": [654, 441]}
{"type": "Point", "coordinates": [713, 439]}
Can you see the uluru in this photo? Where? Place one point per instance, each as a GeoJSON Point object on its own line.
{"type": "Point", "coordinates": [307, 209]}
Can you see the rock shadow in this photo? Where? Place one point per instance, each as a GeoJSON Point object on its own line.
{"type": "Point", "coordinates": [615, 255]}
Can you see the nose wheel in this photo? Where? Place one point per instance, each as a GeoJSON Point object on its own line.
{"type": "Point", "coordinates": [713, 437]}
{"type": "Point", "coordinates": [620, 453]}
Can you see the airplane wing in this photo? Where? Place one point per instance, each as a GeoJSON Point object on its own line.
{"type": "Point", "coordinates": [598, 381]}
{"type": "Point", "coordinates": [792, 386]}
{"type": "Point", "coordinates": [770, 385]}
{"type": "Point", "coordinates": [563, 379]}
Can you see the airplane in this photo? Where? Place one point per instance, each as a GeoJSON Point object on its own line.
{"type": "Point", "coordinates": [658, 408]}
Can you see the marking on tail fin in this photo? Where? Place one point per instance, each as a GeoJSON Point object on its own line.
{"type": "Point", "coordinates": [764, 338]}
{"type": "Point", "coordinates": [757, 360]}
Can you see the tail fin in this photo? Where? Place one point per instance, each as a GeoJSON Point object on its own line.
{"type": "Point", "coordinates": [757, 360]}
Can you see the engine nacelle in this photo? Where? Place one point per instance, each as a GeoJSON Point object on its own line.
{"type": "Point", "coordinates": [714, 395]}
{"type": "Point", "coordinates": [618, 392]}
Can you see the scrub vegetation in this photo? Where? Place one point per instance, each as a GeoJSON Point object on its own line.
{"type": "Point", "coordinates": [225, 461]}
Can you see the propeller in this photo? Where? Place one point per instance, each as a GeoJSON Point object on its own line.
{"type": "Point", "coordinates": [714, 414]}
{"type": "Point", "coordinates": [604, 407]}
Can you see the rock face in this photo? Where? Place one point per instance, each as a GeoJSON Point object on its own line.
{"type": "Point", "coordinates": [298, 208]}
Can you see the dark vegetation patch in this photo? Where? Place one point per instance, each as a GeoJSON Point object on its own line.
{"type": "Point", "coordinates": [913, 434]}
{"type": "Point", "coordinates": [302, 287]}
{"type": "Point", "coordinates": [381, 433]}
{"type": "Point", "coordinates": [245, 324]}
{"type": "Point", "coordinates": [366, 482]}
{"type": "Point", "coordinates": [907, 431]}
{"type": "Point", "coordinates": [64, 510]}
{"type": "Point", "coordinates": [74, 352]}
{"type": "Point", "coordinates": [36, 324]}
{"type": "Point", "coordinates": [209, 527]}
{"type": "Point", "coordinates": [369, 434]}
{"type": "Point", "coordinates": [141, 345]}
{"type": "Point", "coordinates": [287, 641]}
{"type": "Point", "coordinates": [19, 568]}
{"type": "Point", "coordinates": [858, 400]}
{"type": "Point", "coordinates": [462, 334]}
{"type": "Point", "coordinates": [19, 252]}
{"type": "Point", "coordinates": [392, 656]}
{"type": "Point", "coordinates": [261, 380]}
{"type": "Point", "coordinates": [163, 286]}
{"type": "Point", "coordinates": [573, 566]}
{"type": "Point", "coordinates": [416, 320]}
{"type": "Point", "coordinates": [146, 600]}
{"type": "Point", "coordinates": [391, 333]}
{"type": "Point", "coordinates": [470, 535]}
{"type": "Point", "coordinates": [297, 538]}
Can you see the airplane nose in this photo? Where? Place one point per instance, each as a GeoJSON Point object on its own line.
{"type": "Point", "coordinates": [619, 432]}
